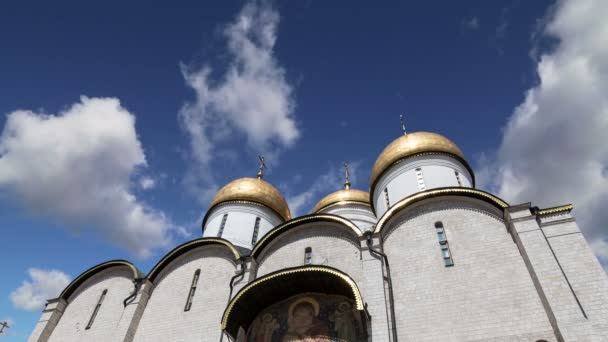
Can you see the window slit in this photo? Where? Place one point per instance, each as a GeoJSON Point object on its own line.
{"type": "Point", "coordinates": [256, 230]}
{"type": "Point", "coordinates": [197, 274]}
{"type": "Point", "coordinates": [221, 230]}
{"type": "Point", "coordinates": [388, 203]}
{"type": "Point", "coordinates": [96, 310]}
{"type": "Point", "coordinates": [308, 256]}
{"type": "Point", "coordinates": [445, 246]}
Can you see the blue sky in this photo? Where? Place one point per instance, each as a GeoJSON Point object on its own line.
{"type": "Point", "coordinates": [120, 120]}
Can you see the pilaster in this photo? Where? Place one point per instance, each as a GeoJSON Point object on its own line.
{"type": "Point", "coordinates": [48, 321]}
{"type": "Point", "coordinates": [373, 288]}
{"type": "Point", "coordinates": [134, 310]}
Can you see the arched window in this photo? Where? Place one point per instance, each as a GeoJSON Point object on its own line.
{"type": "Point", "coordinates": [221, 230]}
{"type": "Point", "coordinates": [443, 243]}
{"type": "Point", "coordinates": [96, 310]}
{"type": "Point", "coordinates": [256, 230]}
{"type": "Point", "coordinates": [197, 274]}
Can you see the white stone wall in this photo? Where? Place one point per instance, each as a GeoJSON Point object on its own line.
{"type": "Point", "coordinates": [332, 245]}
{"type": "Point", "coordinates": [240, 222]}
{"type": "Point", "coordinates": [164, 318]}
{"type": "Point", "coordinates": [359, 214]}
{"type": "Point", "coordinates": [72, 324]}
{"type": "Point", "coordinates": [569, 279]}
{"type": "Point", "coordinates": [336, 247]}
{"type": "Point", "coordinates": [488, 295]}
{"type": "Point", "coordinates": [401, 179]}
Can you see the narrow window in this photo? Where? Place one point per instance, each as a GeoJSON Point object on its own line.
{"type": "Point", "coordinates": [458, 178]}
{"type": "Point", "coordinates": [445, 246]}
{"type": "Point", "coordinates": [197, 273]}
{"type": "Point", "coordinates": [256, 229]}
{"type": "Point", "coordinates": [221, 231]}
{"type": "Point", "coordinates": [420, 179]}
{"type": "Point", "coordinates": [307, 256]}
{"type": "Point", "coordinates": [96, 310]}
{"type": "Point", "coordinates": [388, 203]}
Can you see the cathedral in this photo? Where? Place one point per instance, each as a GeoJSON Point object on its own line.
{"type": "Point", "coordinates": [422, 256]}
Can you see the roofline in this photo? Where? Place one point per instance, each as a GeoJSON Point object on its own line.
{"type": "Point", "coordinates": [293, 223]}
{"type": "Point", "coordinates": [439, 192]}
{"type": "Point", "coordinates": [75, 284]}
{"type": "Point", "coordinates": [185, 247]}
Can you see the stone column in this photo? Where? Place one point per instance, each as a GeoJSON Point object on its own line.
{"type": "Point", "coordinates": [48, 321]}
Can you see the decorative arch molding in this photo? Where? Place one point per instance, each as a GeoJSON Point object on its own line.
{"type": "Point", "coordinates": [283, 284]}
{"type": "Point", "coordinates": [84, 276]}
{"type": "Point", "coordinates": [439, 192]}
{"type": "Point", "coordinates": [348, 226]}
{"type": "Point", "coordinates": [188, 246]}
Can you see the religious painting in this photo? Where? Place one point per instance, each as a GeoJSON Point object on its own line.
{"type": "Point", "coordinates": [308, 317]}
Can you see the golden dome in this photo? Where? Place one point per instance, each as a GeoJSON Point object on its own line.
{"type": "Point", "coordinates": [410, 144]}
{"type": "Point", "coordinates": [346, 195]}
{"type": "Point", "coordinates": [253, 190]}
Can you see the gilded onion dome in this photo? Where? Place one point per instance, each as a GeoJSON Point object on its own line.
{"type": "Point", "coordinates": [342, 196]}
{"type": "Point", "coordinates": [412, 144]}
{"type": "Point", "coordinates": [253, 190]}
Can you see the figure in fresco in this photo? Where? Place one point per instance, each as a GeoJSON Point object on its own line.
{"type": "Point", "coordinates": [303, 324]}
{"type": "Point", "coordinates": [265, 328]}
{"type": "Point", "coordinates": [344, 320]}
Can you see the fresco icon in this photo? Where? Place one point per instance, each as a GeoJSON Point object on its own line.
{"type": "Point", "coordinates": [308, 318]}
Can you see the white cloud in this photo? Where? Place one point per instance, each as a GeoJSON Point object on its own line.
{"type": "Point", "coordinates": [251, 98]}
{"type": "Point", "coordinates": [41, 286]}
{"type": "Point", "coordinates": [147, 183]}
{"type": "Point", "coordinates": [555, 148]}
{"type": "Point", "coordinates": [75, 168]}
{"type": "Point", "coordinates": [323, 185]}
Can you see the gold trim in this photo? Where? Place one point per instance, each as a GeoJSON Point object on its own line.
{"type": "Point", "coordinates": [248, 287]}
{"type": "Point", "coordinates": [556, 210]}
{"type": "Point", "coordinates": [343, 203]}
{"type": "Point", "coordinates": [434, 193]}
{"type": "Point", "coordinates": [89, 273]}
{"type": "Point", "coordinates": [304, 219]}
{"type": "Point", "coordinates": [202, 241]}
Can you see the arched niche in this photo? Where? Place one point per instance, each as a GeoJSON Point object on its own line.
{"type": "Point", "coordinates": [265, 309]}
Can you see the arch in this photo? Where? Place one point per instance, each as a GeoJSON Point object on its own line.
{"type": "Point", "coordinates": [183, 248]}
{"type": "Point", "coordinates": [73, 286]}
{"type": "Point", "coordinates": [283, 284]}
{"type": "Point", "coordinates": [438, 192]}
{"type": "Point", "coordinates": [280, 229]}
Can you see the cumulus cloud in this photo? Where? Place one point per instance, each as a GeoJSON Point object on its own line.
{"type": "Point", "coordinates": [251, 98]}
{"type": "Point", "coordinates": [41, 286]}
{"type": "Point", "coordinates": [75, 168]}
{"type": "Point", "coordinates": [333, 180]}
{"type": "Point", "coordinates": [554, 148]}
